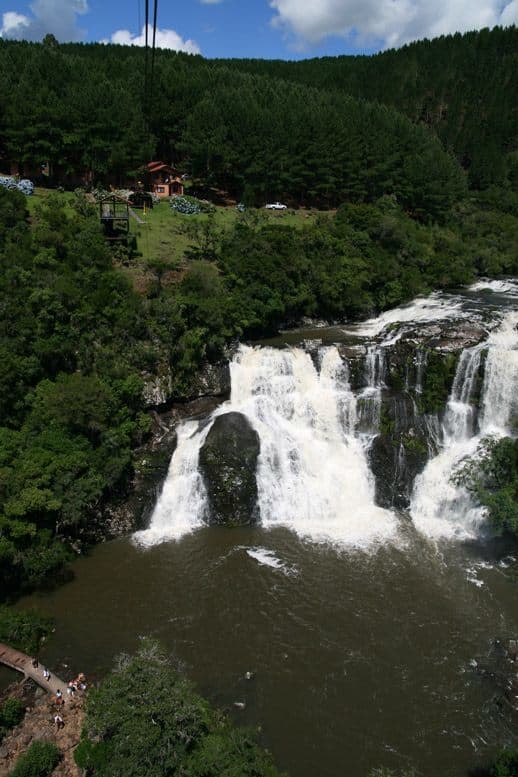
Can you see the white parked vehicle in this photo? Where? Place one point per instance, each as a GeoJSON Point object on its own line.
{"type": "Point", "coordinates": [276, 206]}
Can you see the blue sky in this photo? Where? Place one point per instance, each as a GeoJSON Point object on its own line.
{"type": "Point", "coordinates": [287, 29]}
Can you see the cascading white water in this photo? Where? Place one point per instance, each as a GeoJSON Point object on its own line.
{"type": "Point", "coordinates": [440, 506]}
{"type": "Point", "coordinates": [313, 475]}
{"type": "Point", "coordinates": [420, 367]}
{"type": "Point", "coordinates": [370, 398]}
{"type": "Point", "coordinates": [181, 506]}
{"type": "Point", "coordinates": [313, 472]}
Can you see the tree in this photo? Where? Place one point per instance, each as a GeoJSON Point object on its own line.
{"type": "Point", "coordinates": [146, 718]}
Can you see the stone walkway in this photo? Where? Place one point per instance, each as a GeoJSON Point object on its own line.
{"type": "Point", "coordinates": [23, 663]}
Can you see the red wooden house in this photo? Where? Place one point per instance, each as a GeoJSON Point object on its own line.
{"type": "Point", "coordinates": [163, 179]}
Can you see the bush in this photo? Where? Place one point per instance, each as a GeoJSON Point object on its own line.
{"type": "Point", "coordinates": [23, 630]}
{"type": "Point", "coordinates": [506, 764]}
{"type": "Point", "coordinates": [11, 713]}
{"type": "Point", "coordinates": [24, 186]}
{"type": "Point", "coordinates": [147, 719]}
{"type": "Point", "coordinates": [494, 481]}
{"type": "Point", "coordinates": [186, 205]}
{"type": "Point", "coordinates": [40, 760]}
{"type": "Point", "coordinates": [191, 206]}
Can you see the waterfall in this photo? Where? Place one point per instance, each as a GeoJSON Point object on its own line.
{"type": "Point", "coordinates": [420, 366]}
{"type": "Point", "coordinates": [182, 504]}
{"type": "Point", "coordinates": [319, 438]}
{"type": "Point", "coordinates": [440, 506]}
{"type": "Point", "coordinates": [313, 475]}
{"type": "Point", "coordinates": [370, 398]}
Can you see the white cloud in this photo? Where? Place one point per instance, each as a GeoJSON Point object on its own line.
{"type": "Point", "coordinates": [165, 39]}
{"type": "Point", "coordinates": [211, 2]}
{"type": "Point", "coordinates": [58, 17]}
{"type": "Point", "coordinates": [391, 22]}
{"type": "Point", "coordinates": [13, 24]}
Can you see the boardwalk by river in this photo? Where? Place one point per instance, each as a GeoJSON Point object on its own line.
{"type": "Point", "coordinates": [14, 659]}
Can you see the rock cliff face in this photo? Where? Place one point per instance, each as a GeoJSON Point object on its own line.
{"type": "Point", "coordinates": [228, 463]}
{"type": "Point", "coordinates": [213, 380]}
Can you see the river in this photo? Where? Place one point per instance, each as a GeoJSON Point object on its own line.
{"type": "Point", "coordinates": [368, 628]}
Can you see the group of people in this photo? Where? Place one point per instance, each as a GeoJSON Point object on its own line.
{"type": "Point", "coordinates": [79, 684]}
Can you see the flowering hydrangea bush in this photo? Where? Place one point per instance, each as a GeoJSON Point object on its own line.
{"type": "Point", "coordinates": [25, 186]}
{"type": "Point", "coordinates": [186, 205]}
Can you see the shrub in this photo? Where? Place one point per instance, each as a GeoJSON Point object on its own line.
{"type": "Point", "coordinates": [191, 206]}
{"type": "Point", "coordinates": [23, 630]}
{"type": "Point", "coordinates": [186, 205]}
{"type": "Point", "coordinates": [11, 713]}
{"type": "Point", "coordinates": [40, 760]}
{"type": "Point", "coordinates": [147, 719]}
{"type": "Point", "coordinates": [506, 764]}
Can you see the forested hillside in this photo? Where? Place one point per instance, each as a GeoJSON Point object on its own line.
{"type": "Point", "coordinates": [81, 109]}
{"type": "Point", "coordinates": [312, 132]}
{"type": "Point", "coordinates": [465, 87]}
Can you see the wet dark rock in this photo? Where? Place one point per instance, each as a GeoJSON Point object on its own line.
{"type": "Point", "coordinates": [228, 463]}
{"type": "Point", "coordinates": [213, 380]}
{"type": "Point", "coordinates": [354, 357]}
{"type": "Point", "coordinates": [400, 452]}
{"type": "Point", "coordinates": [159, 391]}
{"type": "Point", "coordinates": [449, 336]}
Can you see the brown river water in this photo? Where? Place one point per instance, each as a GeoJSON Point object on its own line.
{"type": "Point", "coordinates": [358, 659]}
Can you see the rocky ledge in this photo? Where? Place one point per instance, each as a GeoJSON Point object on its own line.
{"type": "Point", "coordinates": [38, 724]}
{"type": "Point", "coordinates": [228, 462]}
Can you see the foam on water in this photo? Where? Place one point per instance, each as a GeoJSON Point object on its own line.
{"type": "Point", "coordinates": [435, 307]}
{"type": "Point", "coordinates": [267, 558]}
{"type": "Point", "coordinates": [508, 287]}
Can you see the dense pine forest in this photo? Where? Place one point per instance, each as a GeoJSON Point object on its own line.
{"type": "Point", "coordinates": [318, 132]}
{"type": "Point", "coordinates": [464, 87]}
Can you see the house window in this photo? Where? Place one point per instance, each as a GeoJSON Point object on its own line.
{"type": "Point", "coordinates": [160, 189]}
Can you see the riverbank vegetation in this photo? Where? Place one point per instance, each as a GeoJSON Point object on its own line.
{"type": "Point", "coordinates": [23, 630]}
{"type": "Point", "coordinates": [146, 718]}
{"type": "Point", "coordinates": [493, 479]}
{"type": "Point", "coordinates": [40, 760]}
{"type": "Point", "coordinates": [11, 713]}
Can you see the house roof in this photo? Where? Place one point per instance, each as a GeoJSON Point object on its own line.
{"type": "Point", "coordinates": [112, 197]}
{"type": "Point", "coordinates": [155, 167]}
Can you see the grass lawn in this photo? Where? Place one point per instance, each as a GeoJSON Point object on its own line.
{"type": "Point", "coordinates": [40, 195]}
{"type": "Point", "coordinates": [165, 235]}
